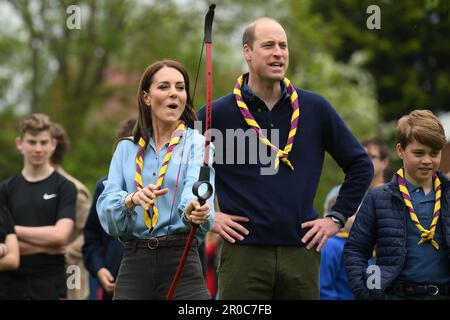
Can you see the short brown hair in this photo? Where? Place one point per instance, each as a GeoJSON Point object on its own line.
{"type": "Point", "coordinates": [125, 131]}
{"type": "Point", "coordinates": [62, 143]}
{"type": "Point", "coordinates": [380, 144]}
{"type": "Point", "coordinates": [35, 124]}
{"type": "Point", "coordinates": [249, 33]}
{"type": "Point", "coordinates": [422, 126]}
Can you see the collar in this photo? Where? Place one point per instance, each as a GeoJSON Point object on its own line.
{"type": "Point", "coordinates": [249, 95]}
{"type": "Point", "coordinates": [152, 144]}
{"type": "Point", "coordinates": [392, 186]}
{"type": "Point", "coordinates": [412, 188]}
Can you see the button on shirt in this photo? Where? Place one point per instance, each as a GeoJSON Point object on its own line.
{"type": "Point", "coordinates": [263, 111]}
{"type": "Point", "coordinates": [424, 264]}
{"type": "Point", "coordinates": [117, 220]}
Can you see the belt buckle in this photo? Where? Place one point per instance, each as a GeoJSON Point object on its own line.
{"type": "Point", "coordinates": [436, 290]}
{"type": "Point", "coordinates": [153, 243]}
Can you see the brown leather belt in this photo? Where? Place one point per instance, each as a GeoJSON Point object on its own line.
{"type": "Point", "coordinates": [173, 240]}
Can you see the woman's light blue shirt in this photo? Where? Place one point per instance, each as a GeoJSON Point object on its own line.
{"type": "Point", "coordinates": [117, 220]}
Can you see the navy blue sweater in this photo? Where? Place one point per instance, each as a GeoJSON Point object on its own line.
{"type": "Point", "coordinates": [278, 204]}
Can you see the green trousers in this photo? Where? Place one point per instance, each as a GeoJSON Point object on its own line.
{"type": "Point", "coordinates": [268, 272]}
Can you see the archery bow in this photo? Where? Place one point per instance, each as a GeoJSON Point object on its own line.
{"type": "Point", "coordinates": [202, 189]}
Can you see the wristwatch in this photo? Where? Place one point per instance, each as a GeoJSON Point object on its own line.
{"type": "Point", "coordinates": [336, 220]}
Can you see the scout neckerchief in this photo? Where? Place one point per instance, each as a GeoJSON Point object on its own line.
{"type": "Point", "coordinates": [150, 220]}
{"type": "Point", "coordinates": [426, 235]}
{"type": "Point", "coordinates": [248, 117]}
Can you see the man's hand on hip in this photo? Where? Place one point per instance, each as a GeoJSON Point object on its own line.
{"type": "Point", "coordinates": [321, 231]}
{"type": "Point", "coordinates": [227, 226]}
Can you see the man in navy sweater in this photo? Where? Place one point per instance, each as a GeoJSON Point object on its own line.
{"type": "Point", "coordinates": [264, 209]}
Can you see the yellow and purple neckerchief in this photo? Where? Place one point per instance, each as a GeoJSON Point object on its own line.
{"type": "Point", "coordinates": [426, 235]}
{"type": "Point", "coordinates": [250, 120]}
{"type": "Point", "coordinates": [151, 219]}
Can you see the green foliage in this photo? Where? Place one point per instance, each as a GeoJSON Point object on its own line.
{"type": "Point", "coordinates": [10, 159]}
{"type": "Point", "coordinates": [408, 55]}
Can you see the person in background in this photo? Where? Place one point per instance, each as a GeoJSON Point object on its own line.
{"type": "Point", "coordinates": [333, 277]}
{"type": "Point", "coordinates": [43, 207]}
{"type": "Point", "coordinates": [73, 256]}
{"type": "Point", "coordinates": [103, 253]}
{"type": "Point", "coordinates": [378, 151]}
{"type": "Point", "coordinates": [213, 243]}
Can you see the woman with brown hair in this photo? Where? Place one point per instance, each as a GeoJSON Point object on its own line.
{"type": "Point", "coordinates": [148, 200]}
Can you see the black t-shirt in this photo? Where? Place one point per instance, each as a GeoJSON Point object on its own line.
{"type": "Point", "coordinates": [6, 228]}
{"type": "Point", "coordinates": [6, 223]}
{"type": "Point", "coordinates": [35, 204]}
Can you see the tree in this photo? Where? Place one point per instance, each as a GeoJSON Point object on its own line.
{"type": "Point", "coordinates": [408, 56]}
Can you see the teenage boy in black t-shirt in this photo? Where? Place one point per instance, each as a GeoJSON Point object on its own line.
{"type": "Point", "coordinates": [42, 204]}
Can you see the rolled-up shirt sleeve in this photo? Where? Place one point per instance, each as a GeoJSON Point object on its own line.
{"type": "Point", "coordinates": [195, 161]}
{"type": "Point", "coordinates": [116, 219]}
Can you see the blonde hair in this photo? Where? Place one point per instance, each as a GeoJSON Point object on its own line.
{"type": "Point", "coordinates": [422, 126]}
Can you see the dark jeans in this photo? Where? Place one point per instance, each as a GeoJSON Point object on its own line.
{"type": "Point", "coordinates": [146, 274]}
{"type": "Point", "coordinates": [27, 287]}
{"type": "Point", "coordinates": [268, 272]}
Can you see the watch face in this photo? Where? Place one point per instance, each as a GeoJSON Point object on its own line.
{"type": "Point", "coordinates": [336, 220]}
